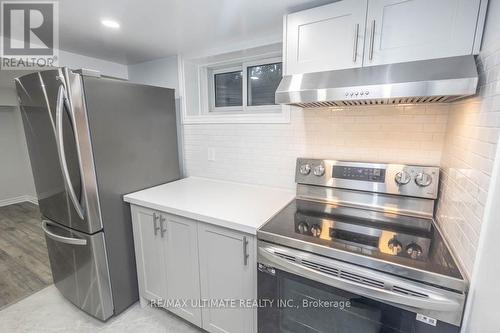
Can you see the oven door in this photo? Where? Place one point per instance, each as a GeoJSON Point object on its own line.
{"type": "Point", "coordinates": [298, 292]}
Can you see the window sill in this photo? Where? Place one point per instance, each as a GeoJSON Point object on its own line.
{"type": "Point", "coordinates": [282, 117]}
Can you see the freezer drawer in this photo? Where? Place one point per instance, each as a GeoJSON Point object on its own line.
{"type": "Point", "coordinates": [80, 268]}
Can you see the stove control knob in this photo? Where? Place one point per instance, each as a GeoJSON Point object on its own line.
{"type": "Point", "coordinates": [316, 230]}
{"type": "Point", "coordinates": [414, 250]}
{"type": "Point", "coordinates": [305, 169]}
{"type": "Point", "coordinates": [402, 178]}
{"type": "Point", "coordinates": [395, 246]}
{"type": "Point", "coordinates": [303, 227]}
{"type": "Point", "coordinates": [423, 179]}
{"type": "Point", "coordinates": [319, 170]}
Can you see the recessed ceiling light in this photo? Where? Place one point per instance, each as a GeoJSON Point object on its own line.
{"type": "Point", "coordinates": [110, 24]}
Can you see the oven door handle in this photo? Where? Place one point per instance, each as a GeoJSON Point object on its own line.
{"type": "Point", "coordinates": [433, 301]}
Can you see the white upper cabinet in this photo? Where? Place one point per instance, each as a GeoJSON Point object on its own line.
{"type": "Point", "coordinates": [410, 30]}
{"type": "Point", "coordinates": [355, 33]}
{"type": "Point", "coordinates": [325, 38]}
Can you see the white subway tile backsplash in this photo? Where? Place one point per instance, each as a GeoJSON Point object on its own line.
{"type": "Point", "coordinates": [472, 134]}
{"type": "Point", "coordinates": [266, 153]}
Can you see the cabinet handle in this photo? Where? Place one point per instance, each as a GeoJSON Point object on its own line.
{"type": "Point", "coordinates": [162, 230]}
{"type": "Point", "coordinates": [245, 251]}
{"type": "Point", "coordinates": [355, 48]}
{"type": "Point", "coordinates": [155, 223]}
{"type": "Point", "coordinates": [372, 40]}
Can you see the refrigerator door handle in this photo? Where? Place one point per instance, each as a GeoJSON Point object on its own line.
{"type": "Point", "coordinates": [62, 100]}
{"type": "Point", "coordinates": [59, 238]}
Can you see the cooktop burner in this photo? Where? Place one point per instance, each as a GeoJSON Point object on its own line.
{"type": "Point", "coordinates": [374, 215]}
{"type": "Point", "coordinates": [363, 235]}
{"type": "Point", "coordinates": [367, 233]}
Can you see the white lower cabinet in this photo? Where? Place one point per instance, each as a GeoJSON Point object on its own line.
{"type": "Point", "coordinates": [149, 254]}
{"type": "Point", "coordinates": [183, 275]}
{"type": "Point", "coordinates": [228, 272]}
{"type": "Point", "coordinates": [182, 259]}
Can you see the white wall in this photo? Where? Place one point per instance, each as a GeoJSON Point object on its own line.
{"type": "Point", "coordinates": [161, 72]}
{"type": "Point", "coordinates": [469, 152]}
{"type": "Point", "coordinates": [16, 180]}
{"type": "Point", "coordinates": [482, 308]}
{"type": "Point", "coordinates": [8, 96]}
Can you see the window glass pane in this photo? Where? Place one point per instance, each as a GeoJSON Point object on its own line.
{"type": "Point", "coordinates": [263, 80]}
{"type": "Point", "coordinates": [228, 89]}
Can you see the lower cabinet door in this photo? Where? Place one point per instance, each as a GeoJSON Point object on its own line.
{"type": "Point", "coordinates": [181, 249]}
{"type": "Point", "coordinates": [149, 253]}
{"type": "Point", "coordinates": [227, 275]}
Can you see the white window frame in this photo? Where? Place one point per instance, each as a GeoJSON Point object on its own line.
{"type": "Point", "coordinates": [211, 72]}
{"type": "Point", "coordinates": [194, 88]}
{"type": "Point", "coordinates": [243, 67]}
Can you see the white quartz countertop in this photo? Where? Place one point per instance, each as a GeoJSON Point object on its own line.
{"type": "Point", "coordinates": [237, 206]}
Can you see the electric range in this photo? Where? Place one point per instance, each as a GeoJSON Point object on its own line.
{"type": "Point", "coordinates": [363, 233]}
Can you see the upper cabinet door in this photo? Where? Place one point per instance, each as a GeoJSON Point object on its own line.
{"type": "Point", "coordinates": [410, 30]}
{"type": "Point", "coordinates": [325, 38]}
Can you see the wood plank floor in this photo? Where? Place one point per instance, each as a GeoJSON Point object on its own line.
{"type": "Point", "coordinates": [24, 263]}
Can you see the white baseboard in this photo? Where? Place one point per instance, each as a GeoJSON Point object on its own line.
{"type": "Point", "coordinates": [15, 200]}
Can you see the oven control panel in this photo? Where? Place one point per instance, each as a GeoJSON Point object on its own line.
{"type": "Point", "coordinates": [359, 173]}
{"type": "Point", "coordinates": [409, 180]}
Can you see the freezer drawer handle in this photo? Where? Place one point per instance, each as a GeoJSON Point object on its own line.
{"type": "Point", "coordinates": [62, 239]}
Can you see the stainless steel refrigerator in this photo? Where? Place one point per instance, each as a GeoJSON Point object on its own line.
{"type": "Point", "coordinates": [91, 140]}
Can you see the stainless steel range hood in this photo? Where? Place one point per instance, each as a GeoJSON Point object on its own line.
{"type": "Point", "coordinates": [428, 81]}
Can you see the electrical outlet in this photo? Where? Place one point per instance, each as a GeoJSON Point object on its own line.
{"type": "Point", "coordinates": [211, 154]}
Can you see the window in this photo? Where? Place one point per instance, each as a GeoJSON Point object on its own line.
{"type": "Point", "coordinates": [228, 89]}
{"type": "Point", "coordinates": [244, 88]}
{"type": "Point", "coordinates": [235, 87]}
{"type": "Point", "coordinates": [263, 80]}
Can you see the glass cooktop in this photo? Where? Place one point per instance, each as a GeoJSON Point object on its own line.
{"type": "Point", "coordinates": [401, 245]}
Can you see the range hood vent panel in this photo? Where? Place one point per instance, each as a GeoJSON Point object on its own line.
{"type": "Point", "coordinates": [428, 81]}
